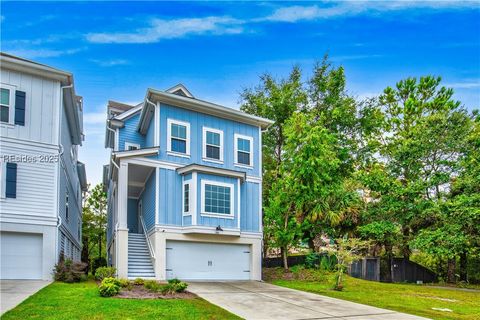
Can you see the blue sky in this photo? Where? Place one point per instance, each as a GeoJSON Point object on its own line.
{"type": "Point", "coordinates": [116, 50]}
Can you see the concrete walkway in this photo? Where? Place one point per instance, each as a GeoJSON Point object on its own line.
{"type": "Point", "coordinates": [263, 301]}
{"type": "Point", "coordinates": [13, 292]}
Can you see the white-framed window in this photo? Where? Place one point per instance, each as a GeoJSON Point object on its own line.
{"type": "Point", "coordinates": [186, 198]}
{"type": "Point", "coordinates": [131, 146]}
{"type": "Point", "coordinates": [217, 199]}
{"type": "Point", "coordinates": [212, 144]}
{"type": "Point", "coordinates": [178, 135]}
{"type": "Point", "coordinates": [243, 146]}
{"type": "Point", "coordinates": [7, 104]}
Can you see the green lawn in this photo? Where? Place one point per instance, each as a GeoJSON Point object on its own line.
{"type": "Point", "coordinates": [81, 301]}
{"type": "Point", "coordinates": [408, 298]}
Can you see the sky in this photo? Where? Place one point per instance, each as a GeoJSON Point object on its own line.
{"type": "Point", "coordinates": [116, 50]}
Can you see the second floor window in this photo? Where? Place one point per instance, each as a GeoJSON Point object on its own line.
{"type": "Point", "coordinates": [243, 150]}
{"type": "Point", "coordinates": [212, 144]}
{"type": "Point", "coordinates": [5, 105]}
{"type": "Point", "coordinates": [179, 137]}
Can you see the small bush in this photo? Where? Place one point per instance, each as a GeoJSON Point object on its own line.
{"type": "Point", "coordinates": [105, 272]}
{"type": "Point", "coordinates": [139, 282]}
{"type": "Point", "coordinates": [109, 287]}
{"type": "Point", "coordinates": [297, 269]}
{"type": "Point", "coordinates": [173, 286]}
{"type": "Point", "coordinates": [125, 283]}
{"type": "Point", "coordinates": [312, 260]}
{"type": "Point", "coordinates": [152, 285]}
{"type": "Point", "coordinates": [69, 271]}
{"type": "Point", "coordinates": [97, 263]}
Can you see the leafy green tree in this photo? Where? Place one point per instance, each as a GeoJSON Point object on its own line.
{"type": "Point", "coordinates": [421, 138]}
{"type": "Point", "coordinates": [94, 224]}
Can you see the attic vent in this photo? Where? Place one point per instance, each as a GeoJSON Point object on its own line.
{"type": "Point", "coordinates": [179, 92]}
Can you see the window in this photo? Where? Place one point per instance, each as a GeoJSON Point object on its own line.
{"type": "Point", "coordinates": [217, 199]}
{"type": "Point", "coordinates": [243, 150]}
{"type": "Point", "coordinates": [186, 198]}
{"type": "Point", "coordinates": [7, 99]}
{"type": "Point", "coordinates": [66, 206]}
{"type": "Point", "coordinates": [178, 137]}
{"type": "Point", "coordinates": [212, 144]}
{"type": "Point", "coordinates": [131, 146]}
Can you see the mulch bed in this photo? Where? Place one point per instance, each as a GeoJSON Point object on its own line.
{"type": "Point", "coordinates": [139, 292]}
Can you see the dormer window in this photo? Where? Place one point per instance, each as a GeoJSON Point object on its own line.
{"type": "Point", "coordinates": [212, 144]}
{"type": "Point", "coordinates": [178, 137]}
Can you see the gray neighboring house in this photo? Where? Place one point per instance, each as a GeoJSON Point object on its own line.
{"type": "Point", "coordinates": [41, 179]}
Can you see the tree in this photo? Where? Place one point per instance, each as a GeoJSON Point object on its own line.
{"type": "Point", "coordinates": [94, 224]}
{"type": "Point", "coordinates": [346, 251]}
{"type": "Point", "coordinates": [420, 142]}
{"type": "Point", "coordinates": [276, 100]}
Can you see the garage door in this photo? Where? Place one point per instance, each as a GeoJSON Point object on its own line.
{"type": "Point", "coordinates": [207, 261]}
{"type": "Point", "coordinates": [21, 255]}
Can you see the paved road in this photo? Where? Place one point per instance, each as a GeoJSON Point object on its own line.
{"type": "Point", "coordinates": [13, 292]}
{"type": "Point", "coordinates": [263, 301]}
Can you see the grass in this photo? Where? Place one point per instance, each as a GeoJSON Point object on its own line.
{"type": "Point", "coordinates": [407, 298]}
{"type": "Point", "coordinates": [81, 301]}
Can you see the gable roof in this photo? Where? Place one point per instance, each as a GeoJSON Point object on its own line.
{"type": "Point", "coordinates": [194, 104]}
{"type": "Point", "coordinates": [180, 90]}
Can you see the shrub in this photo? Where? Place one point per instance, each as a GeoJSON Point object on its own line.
{"type": "Point", "coordinates": [312, 260]}
{"type": "Point", "coordinates": [125, 283]}
{"type": "Point", "coordinates": [152, 285]}
{"type": "Point", "coordinates": [297, 269]}
{"type": "Point", "coordinates": [69, 271]}
{"type": "Point", "coordinates": [173, 286]}
{"type": "Point", "coordinates": [97, 263]}
{"type": "Point", "coordinates": [139, 282]}
{"type": "Point", "coordinates": [109, 287]}
{"type": "Point", "coordinates": [105, 272]}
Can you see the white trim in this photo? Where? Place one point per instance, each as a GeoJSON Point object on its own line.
{"type": "Point", "coordinates": [235, 149]}
{"type": "Point", "coordinates": [194, 198]}
{"type": "Point", "coordinates": [212, 170]}
{"type": "Point", "coordinates": [253, 179]}
{"type": "Point", "coordinates": [11, 103]}
{"type": "Point", "coordinates": [129, 113]}
{"type": "Point", "coordinates": [154, 163]}
{"type": "Point", "coordinates": [232, 200]}
{"type": "Point", "coordinates": [156, 138]}
{"type": "Point", "coordinates": [157, 194]}
{"type": "Point", "coordinates": [169, 137]}
{"type": "Point", "coordinates": [135, 153]}
{"type": "Point", "coordinates": [189, 212]}
{"type": "Point", "coordinates": [3, 179]}
{"type": "Point", "coordinates": [117, 137]}
{"type": "Point", "coordinates": [204, 144]}
{"type": "Point", "coordinates": [238, 203]}
{"type": "Point", "coordinates": [260, 187]}
{"type": "Point", "coordinates": [130, 144]}
{"type": "Point", "coordinates": [177, 154]}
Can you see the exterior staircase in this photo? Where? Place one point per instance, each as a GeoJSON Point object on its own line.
{"type": "Point", "coordinates": [139, 261]}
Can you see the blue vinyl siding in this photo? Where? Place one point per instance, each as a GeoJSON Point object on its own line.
{"type": "Point", "coordinates": [149, 201]}
{"type": "Point", "coordinates": [249, 207]}
{"type": "Point", "coordinates": [187, 220]}
{"type": "Point", "coordinates": [197, 122]}
{"type": "Point", "coordinates": [130, 134]}
{"type": "Point", "coordinates": [132, 217]}
{"type": "Point", "coordinates": [150, 136]}
{"type": "Point", "coordinates": [170, 209]}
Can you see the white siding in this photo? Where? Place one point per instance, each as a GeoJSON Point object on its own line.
{"type": "Point", "coordinates": [41, 108]}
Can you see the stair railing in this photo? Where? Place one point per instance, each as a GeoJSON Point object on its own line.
{"type": "Point", "coordinates": [150, 247]}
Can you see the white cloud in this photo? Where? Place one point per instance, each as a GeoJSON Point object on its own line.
{"type": "Point", "coordinates": [43, 53]}
{"type": "Point", "coordinates": [110, 63]}
{"type": "Point", "coordinates": [94, 118]}
{"type": "Point", "coordinates": [464, 85]}
{"type": "Point", "coordinates": [337, 9]}
{"type": "Point", "coordinates": [160, 29]}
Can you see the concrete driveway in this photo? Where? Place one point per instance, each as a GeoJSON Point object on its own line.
{"type": "Point", "coordinates": [259, 300]}
{"type": "Point", "coordinates": [13, 292]}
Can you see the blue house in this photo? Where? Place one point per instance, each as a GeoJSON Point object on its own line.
{"type": "Point", "coordinates": [184, 189]}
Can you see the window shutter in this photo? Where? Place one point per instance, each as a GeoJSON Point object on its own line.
{"type": "Point", "coordinates": [11, 185]}
{"type": "Point", "coordinates": [20, 108]}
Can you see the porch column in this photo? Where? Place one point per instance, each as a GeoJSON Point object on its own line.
{"type": "Point", "coordinates": [122, 232]}
{"type": "Point", "coordinates": [160, 255]}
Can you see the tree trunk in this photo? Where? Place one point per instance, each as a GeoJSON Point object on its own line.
{"type": "Point", "coordinates": [100, 245]}
{"type": "Point", "coordinates": [405, 247]}
{"type": "Point", "coordinates": [284, 251]}
{"type": "Point", "coordinates": [451, 270]}
{"type": "Point", "coordinates": [463, 266]}
{"type": "Point", "coordinates": [85, 254]}
{"type": "Point", "coordinates": [389, 254]}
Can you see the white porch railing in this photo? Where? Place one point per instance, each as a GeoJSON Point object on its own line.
{"type": "Point", "coordinates": [149, 244]}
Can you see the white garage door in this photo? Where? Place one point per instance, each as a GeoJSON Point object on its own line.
{"type": "Point", "coordinates": [207, 261]}
{"type": "Point", "coordinates": [21, 255]}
